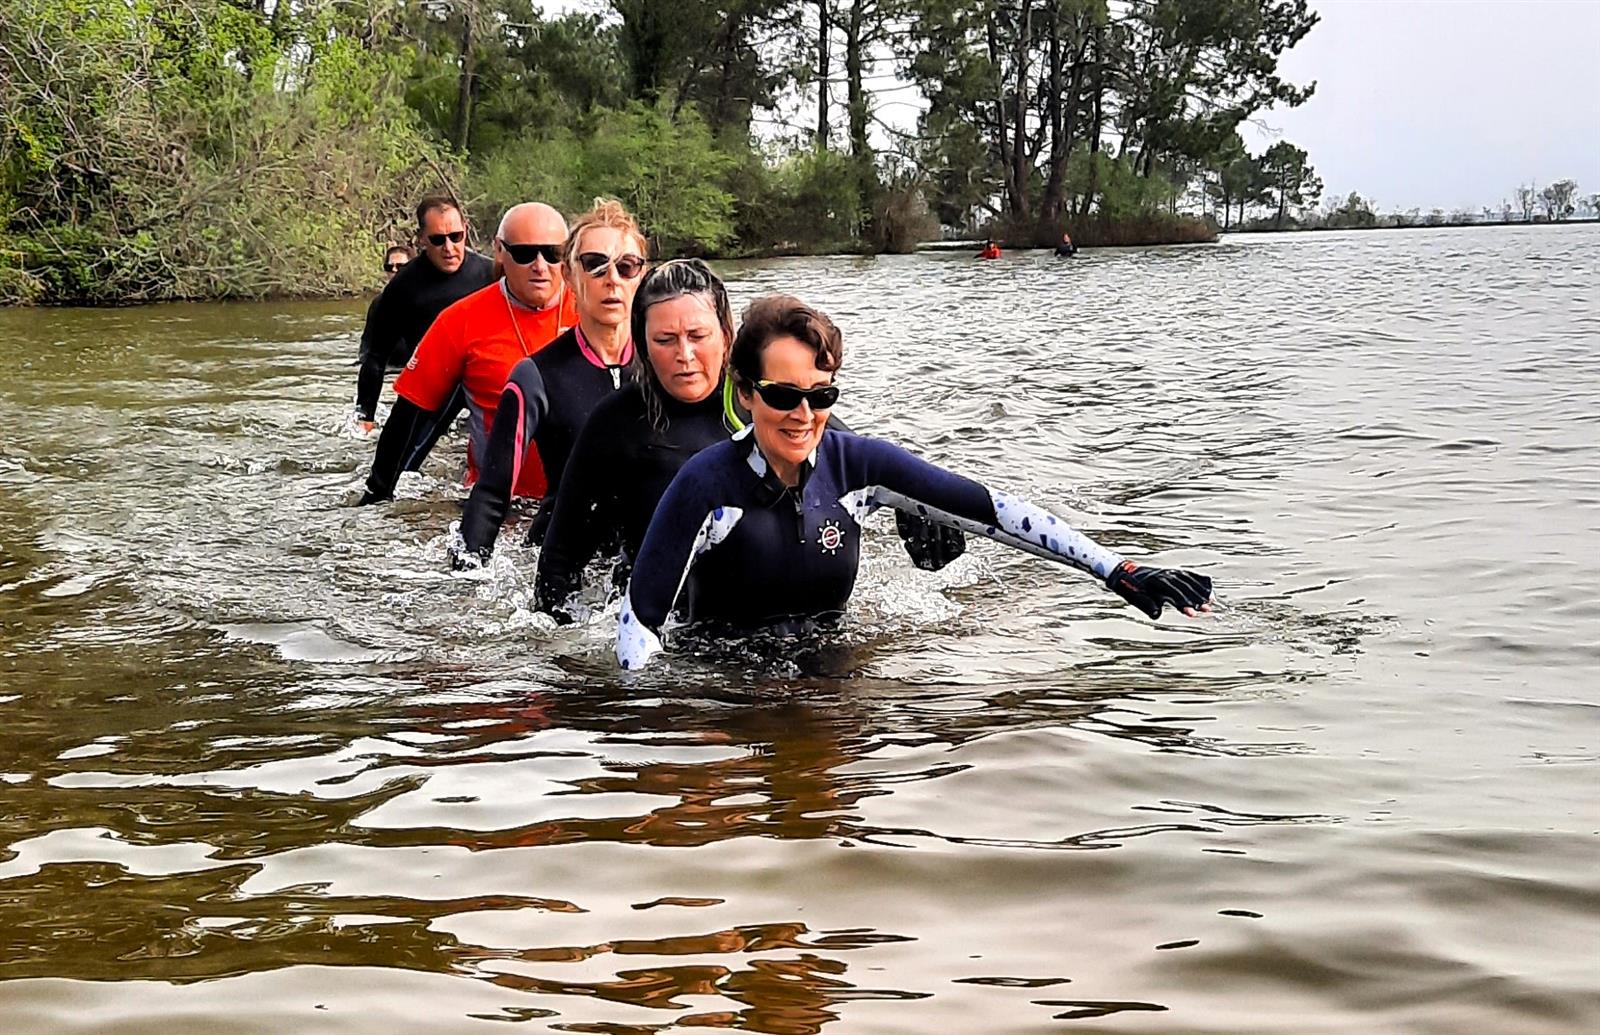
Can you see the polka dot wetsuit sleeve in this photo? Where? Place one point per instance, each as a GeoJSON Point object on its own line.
{"type": "Point", "coordinates": [888, 476]}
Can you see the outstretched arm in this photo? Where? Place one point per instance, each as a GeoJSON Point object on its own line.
{"type": "Point", "coordinates": [893, 477]}
{"type": "Point", "coordinates": [930, 545]}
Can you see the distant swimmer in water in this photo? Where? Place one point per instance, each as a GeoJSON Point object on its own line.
{"type": "Point", "coordinates": [1066, 249]}
{"type": "Point", "coordinates": [765, 530]}
{"type": "Point", "coordinates": [991, 250]}
{"type": "Point", "coordinates": [638, 439]}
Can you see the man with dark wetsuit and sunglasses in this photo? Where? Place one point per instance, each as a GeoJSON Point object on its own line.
{"type": "Point", "coordinates": [447, 272]}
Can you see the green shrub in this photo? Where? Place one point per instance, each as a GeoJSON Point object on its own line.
{"type": "Point", "coordinates": [669, 173]}
{"type": "Point", "coordinates": [184, 151]}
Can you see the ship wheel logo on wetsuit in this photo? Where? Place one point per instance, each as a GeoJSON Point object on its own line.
{"type": "Point", "coordinates": [830, 537]}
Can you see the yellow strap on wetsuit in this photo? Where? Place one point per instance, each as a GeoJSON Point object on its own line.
{"type": "Point", "coordinates": [729, 410]}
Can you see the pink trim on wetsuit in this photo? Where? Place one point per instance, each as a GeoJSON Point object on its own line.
{"type": "Point", "coordinates": [594, 357]}
{"type": "Point", "coordinates": [517, 454]}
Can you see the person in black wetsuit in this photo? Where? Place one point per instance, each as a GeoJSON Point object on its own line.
{"type": "Point", "coordinates": [1066, 249]}
{"type": "Point", "coordinates": [549, 395]}
{"type": "Point", "coordinates": [636, 441]}
{"type": "Point", "coordinates": [394, 260]}
{"type": "Point", "coordinates": [446, 272]}
{"type": "Point", "coordinates": [764, 530]}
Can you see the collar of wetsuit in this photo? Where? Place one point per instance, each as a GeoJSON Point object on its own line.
{"type": "Point", "coordinates": [770, 489]}
{"type": "Point", "coordinates": [675, 407]}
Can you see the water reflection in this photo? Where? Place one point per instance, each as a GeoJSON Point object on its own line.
{"type": "Point", "coordinates": [207, 782]}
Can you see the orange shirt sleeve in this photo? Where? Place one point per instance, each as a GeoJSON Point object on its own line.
{"type": "Point", "coordinates": [439, 362]}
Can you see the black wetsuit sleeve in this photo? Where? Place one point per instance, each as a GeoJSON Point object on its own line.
{"type": "Point", "coordinates": [398, 432]}
{"type": "Point", "coordinates": [523, 404]}
{"type": "Point", "coordinates": [379, 338]}
{"type": "Point", "coordinates": [686, 523]}
{"type": "Point", "coordinates": [580, 517]}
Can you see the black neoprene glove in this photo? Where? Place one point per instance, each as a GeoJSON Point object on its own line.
{"type": "Point", "coordinates": [1149, 589]}
{"type": "Point", "coordinates": [929, 544]}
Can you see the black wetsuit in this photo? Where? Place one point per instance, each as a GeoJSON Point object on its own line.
{"type": "Point", "coordinates": [545, 403]}
{"type": "Point", "coordinates": [402, 314]}
{"type": "Point", "coordinates": [396, 361]}
{"type": "Point", "coordinates": [729, 543]}
{"type": "Point", "coordinates": [617, 473]}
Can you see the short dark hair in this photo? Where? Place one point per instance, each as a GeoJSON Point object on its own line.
{"type": "Point", "coordinates": [776, 316]}
{"type": "Point", "coordinates": [438, 200]}
{"type": "Point", "coordinates": [404, 249]}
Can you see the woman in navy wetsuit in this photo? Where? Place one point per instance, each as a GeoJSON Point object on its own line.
{"type": "Point", "coordinates": [765, 528]}
{"type": "Point", "coordinates": [636, 440]}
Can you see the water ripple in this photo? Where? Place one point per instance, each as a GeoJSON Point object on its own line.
{"type": "Point", "coordinates": [266, 764]}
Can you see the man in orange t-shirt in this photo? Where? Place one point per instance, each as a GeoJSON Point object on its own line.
{"type": "Point", "coordinates": [477, 341]}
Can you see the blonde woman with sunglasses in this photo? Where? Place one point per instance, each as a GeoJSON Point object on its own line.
{"type": "Point", "coordinates": [549, 396]}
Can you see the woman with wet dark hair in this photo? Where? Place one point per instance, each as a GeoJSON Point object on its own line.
{"type": "Point", "coordinates": [635, 441]}
{"type": "Point", "coordinates": [764, 530]}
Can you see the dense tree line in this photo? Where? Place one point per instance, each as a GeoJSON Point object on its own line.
{"type": "Point", "coordinates": [220, 148]}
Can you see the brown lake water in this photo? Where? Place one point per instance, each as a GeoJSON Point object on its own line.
{"type": "Point", "coordinates": [267, 766]}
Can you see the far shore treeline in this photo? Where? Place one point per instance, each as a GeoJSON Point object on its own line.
{"type": "Point", "coordinates": [168, 149]}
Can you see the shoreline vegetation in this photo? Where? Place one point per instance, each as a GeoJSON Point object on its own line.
{"type": "Point", "coordinates": [162, 150]}
{"type": "Point", "coordinates": [158, 150]}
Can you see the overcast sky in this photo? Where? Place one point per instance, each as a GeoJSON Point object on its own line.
{"type": "Point", "coordinates": [1448, 103]}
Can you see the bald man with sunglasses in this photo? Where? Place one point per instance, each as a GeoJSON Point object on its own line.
{"type": "Point", "coordinates": [447, 272]}
{"type": "Point", "coordinates": [474, 344]}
